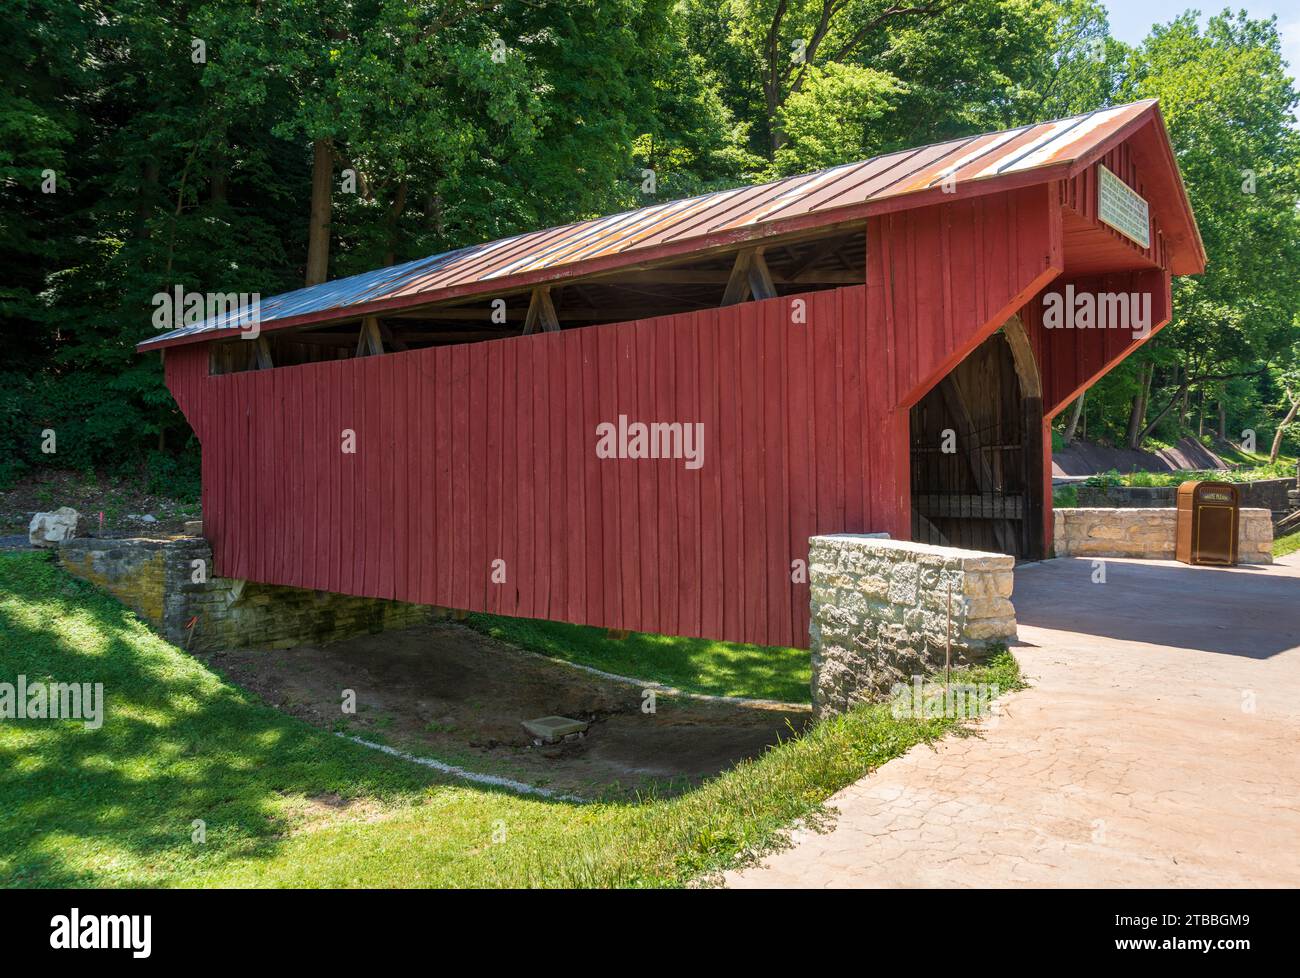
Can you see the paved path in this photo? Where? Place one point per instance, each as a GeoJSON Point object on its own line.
{"type": "Point", "coordinates": [1159, 745]}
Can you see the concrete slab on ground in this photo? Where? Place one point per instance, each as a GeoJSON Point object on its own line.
{"type": "Point", "coordinates": [1156, 747]}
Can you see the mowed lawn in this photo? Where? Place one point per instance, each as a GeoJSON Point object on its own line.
{"type": "Point", "coordinates": [696, 665]}
{"type": "Point", "coordinates": [285, 804]}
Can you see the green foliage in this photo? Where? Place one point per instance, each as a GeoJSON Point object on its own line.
{"type": "Point", "coordinates": [826, 121]}
{"type": "Point", "coordinates": [1282, 469]}
{"type": "Point", "coordinates": [463, 123]}
{"type": "Point", "coordinates": [1066, 497]}
{"type": "Point", "coordinates": [1229, 105]}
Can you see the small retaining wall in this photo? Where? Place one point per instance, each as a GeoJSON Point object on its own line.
{"type": "Point", "coordinates": [1271, 494]}
{"type": "Point", "coordinates": [155, 578]}
{"type": "Point", "coordinates": [1149, 533]}
{"type": "Point", "coordinates": [880, 613]}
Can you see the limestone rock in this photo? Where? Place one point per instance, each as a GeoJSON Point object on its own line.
{"type": "Point", "coordinates": [51, 529]}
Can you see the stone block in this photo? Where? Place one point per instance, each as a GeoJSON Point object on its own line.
{"type": "Point", "coordinates": [890, 619]}
{"type": "Point", "coordinates": [50, 529]}
{"type": "Point", "coordinates": [552, 729]}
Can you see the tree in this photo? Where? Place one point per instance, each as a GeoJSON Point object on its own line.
{"type": "Point", "coordinates": [1229, 106]}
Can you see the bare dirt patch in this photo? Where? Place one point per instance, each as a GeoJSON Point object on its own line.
{"type": "Point", "coordinates": [126, 507]}
{"type": "Point", "coordinates": [445, 691]}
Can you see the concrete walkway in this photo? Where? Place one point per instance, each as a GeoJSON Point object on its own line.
{"type": "Point", "coordinates": [1159, 745]}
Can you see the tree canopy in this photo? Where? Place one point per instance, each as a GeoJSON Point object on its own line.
{"type": "Point", "coordinates": [228, 145]}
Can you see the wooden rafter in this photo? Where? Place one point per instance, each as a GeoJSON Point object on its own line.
{"type": "Point", "coordinates": [541, 312]}
{"type": "Point", "coordinates": [761, 285]}
{"type": "Point", "coordinates": [262, 353]}
{"type": "Point", "coordinates": [749, 276]}
{"type": "Point", "coordinates": [737, 289]}
{"type": "Point", "coordinates": [369, 341]}
{"type": "Point", "coordinates": [820, 251]}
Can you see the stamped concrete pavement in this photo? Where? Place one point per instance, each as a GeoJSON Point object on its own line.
{"type": "Point", "coordinates": [1158, 745]}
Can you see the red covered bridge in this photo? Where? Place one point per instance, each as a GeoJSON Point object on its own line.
{"type": "Point", "coordinates": [862, 349]}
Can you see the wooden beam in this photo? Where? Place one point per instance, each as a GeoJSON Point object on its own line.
{"type": "Point", "coordinates": [541, 312]}
{"type": "Point", "coordinates": [369, 340]}
{"type": "Point", "coordinates": [262, 354]}
{"type": "Point", "coordinates": [737, 289]}
{"type": "Point", "coordinates": [718, 276]}
{"type": "Point", "coordinates": [820, 251]}
{"type": "Point", "coordinates": [761, 285]}
{"type": "Point", "coordinates": [1022, 351]}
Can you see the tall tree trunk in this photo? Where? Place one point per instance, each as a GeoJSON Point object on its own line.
{"type": "Point", "coordinates": [1139, 410]}
{"type": "Point", "coordinates": [322, 199]}
{"type": "Point", "coordinates": [146, 196]}
{"type": "Point", "coordinates": [1223, 420]}
{"type": "Point", "coordinates": [391, 218]}
{"type": "Point", "coordinates": [1281, 429]}
{"type": "Point", "coordinates": [1074, 418]}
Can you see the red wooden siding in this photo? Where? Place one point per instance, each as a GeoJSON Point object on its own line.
{"type": "Point", "coordinates": [1071, 360]}
{"type": "Point", "coordinates": [468, 454]}
{"type": "Point", "coordinates": [474, 453]}
{"type": "Point", "coordinates": [948, 276]}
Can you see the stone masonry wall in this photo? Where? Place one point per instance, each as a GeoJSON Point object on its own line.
{"type": "Point", "coordinates": [880, 613]}
{"type": "Point", "coordinates": [1149, 533]}
{"type": "Point", "coordinates": [155, 578]}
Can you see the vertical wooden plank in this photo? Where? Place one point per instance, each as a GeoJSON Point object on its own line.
{"type": "Point", "coordinates": [732, 566]}
{"type": "Point", "coordinates": [460, 455]}
{"type": "Point", "coordinates": [525, 500]}
{"type": "Point", "coordinates": [689, 333]}
{"type": "Point", "coordinates": [579, 442]}
{"type": "Point", "coordinates": [801, 437]}
{"type": "Point", "coordinates": [613, 542]}
{"type": "Point", "coordinates": [556, 397]}
{"type": "Point", "coordinates": [664, 472]}
{"type": "Point", "coordinates": [403, 506]}
{"type": "Point", "coordinates": [492, 478]}
{"type": "Point", "coordinates": [597, 610]}
{"type": "Point", "coordinates": [414, 451]}
{"type": "Point", "coordinates": [855, 423]}
{"type": "Point", "coordinates": [442, 488]}
{"type": "Point", "coordinates": [712, 557]}
{"type": "Point", "coordinates": [264, 425]}
{"type": "Point", "coordinates": [826, 413]}
{"type": "Point", "coordinates": [774, 321]}
{"type": "Point", "coordinates": [478, 571]}
{"type": "Point", "coordinates": [331, 447]}
{"type": "Point", "coordinates": [301, 512]}
{"type": "Point", "coordinates": [630, 504]}
{"type": "Point", "coordinates": [511, 551]}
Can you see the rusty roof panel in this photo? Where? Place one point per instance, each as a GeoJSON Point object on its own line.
{"type": "Point", "coordinates": [703, 219]}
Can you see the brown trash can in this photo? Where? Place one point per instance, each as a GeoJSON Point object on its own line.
{"type": "Point", "coordinates": [1209, 514]}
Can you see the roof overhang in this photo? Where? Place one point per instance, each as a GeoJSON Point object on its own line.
{"type": "Point", "coordinates": [1039, 162]}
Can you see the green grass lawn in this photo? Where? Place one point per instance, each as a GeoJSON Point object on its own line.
{"type": "Point", "coordinates": [286, 804]}
{"type": "Point", "coordinates": [696, 665]}
{"type": "Point", "coordinates": [1288, 544]}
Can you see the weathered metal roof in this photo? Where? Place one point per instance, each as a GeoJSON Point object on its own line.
{"type": "Point", "coordinates": [974, 164]}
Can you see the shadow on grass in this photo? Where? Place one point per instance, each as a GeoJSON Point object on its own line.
{"type": "Point", "coordinates": [116, 805]}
